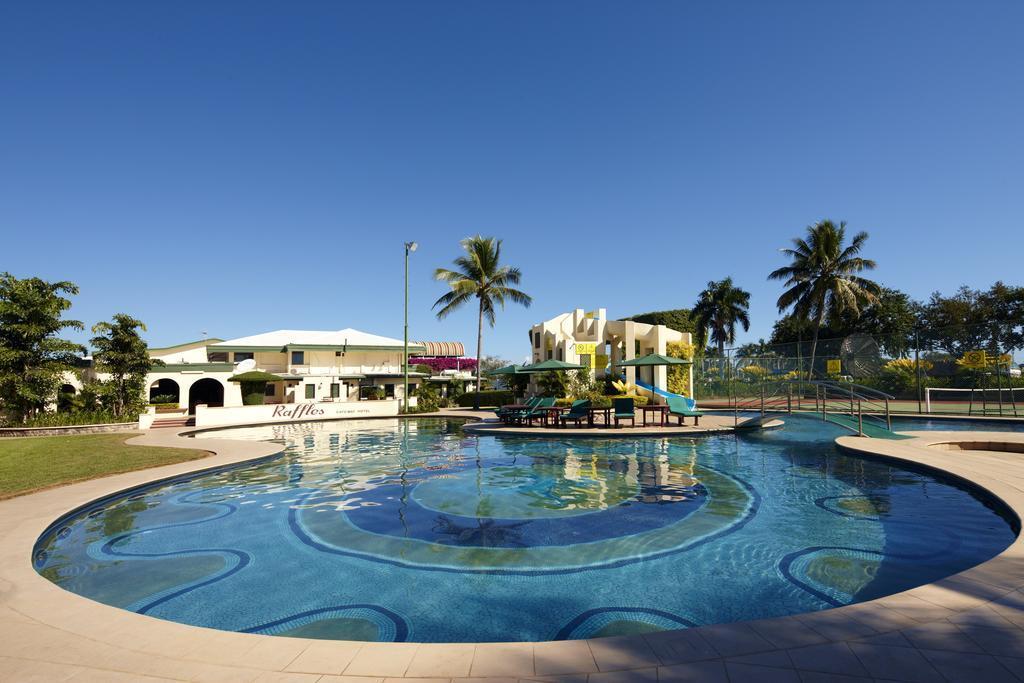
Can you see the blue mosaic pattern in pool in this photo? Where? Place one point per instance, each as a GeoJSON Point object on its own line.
{"type": "Point", "coordinates": [387, 530]}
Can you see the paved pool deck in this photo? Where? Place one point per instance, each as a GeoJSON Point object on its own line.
{"type": "Point", "coordinates": [966, 627]}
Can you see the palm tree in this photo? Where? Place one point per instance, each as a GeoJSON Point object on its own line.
{"type": "Point", "coordinates": [719, 308]}
{"type": "Point", "coordinates": [822, 277]}
{"type": "Point", "coordinates": [479, 273]}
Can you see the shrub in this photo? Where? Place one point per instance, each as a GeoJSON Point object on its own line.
{"type": "Point", "coordinates": [428, 398]}
{"type": "Point", "coordinates": [372, 393]}
{"type": "Point", "coordinates": [599, 401]}
{"type": "Point", "coordinates": [161, 399]}
{"type": "Point", "coordinates": [487, 398]}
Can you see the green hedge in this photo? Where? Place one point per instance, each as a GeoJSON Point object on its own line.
{"type": "Point", "coordinates": [487, 398]}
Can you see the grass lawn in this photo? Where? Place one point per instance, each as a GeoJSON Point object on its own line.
{"type": "Point", "coordinates": [39, 462]}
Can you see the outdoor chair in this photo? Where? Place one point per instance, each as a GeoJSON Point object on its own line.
{"type": "Point", "coordinates": [624, 410]}
{"type": "Point", "coordinates": [506, 414]}
{"type": "Point", "coordinates": [578, 411]}
{"type": "Point", "coordinates": [537, 412]}
{"type": "Point", "coordinates": [684, 407]}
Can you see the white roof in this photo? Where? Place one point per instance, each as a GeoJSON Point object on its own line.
{"type": "Point", "coordinates": [282, 338]}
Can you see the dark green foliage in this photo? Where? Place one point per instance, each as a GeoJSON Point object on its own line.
{"type": "Point", "coordinates": [32, 356]}
{"type": "Point", "coordinates": [121, 352]}
{"type": "Point", "coordinates": [163, 399]}
{"type": "Point", "coordinates": [679, 319]}
{"type": "Point", "coordinates": [720, 307]}
{"type": "Point", "coordinates": [487, 398]}
{"type": "Point", "coordinates": [428, 398]}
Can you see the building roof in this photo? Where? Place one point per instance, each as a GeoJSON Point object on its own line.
{"type": "Point", "coordinates": [198, 342]}
{"type": "Point", "coordinates": [338, 339]}
{"type": "Point", "coordinates": [442, 349]}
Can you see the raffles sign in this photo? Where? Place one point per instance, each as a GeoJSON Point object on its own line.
{"type": "Point", "coordinates": [294, 412]}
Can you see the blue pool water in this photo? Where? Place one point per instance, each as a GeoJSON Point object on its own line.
{"type": "Point", "coordinates": [388, 530]}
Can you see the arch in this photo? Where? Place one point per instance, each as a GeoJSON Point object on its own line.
{"type": "Point", "coordinates": [208, 391]}
{"type": "Point", "coordinates": [165, 387]}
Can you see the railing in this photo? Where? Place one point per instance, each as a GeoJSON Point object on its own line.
{"type": "Point", "coordinates": [832, 399]}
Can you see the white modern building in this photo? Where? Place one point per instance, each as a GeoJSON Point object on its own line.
{"type": "Point", "coordinates": [588, 338]}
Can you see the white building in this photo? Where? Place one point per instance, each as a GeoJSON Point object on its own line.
{"type": "Point", "coordinates": [315, 366]}
{"type": "Point", "coordinates": [590, 339]}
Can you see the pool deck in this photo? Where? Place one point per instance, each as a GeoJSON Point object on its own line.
{"type": "Point", "coordinates": [966, 627]}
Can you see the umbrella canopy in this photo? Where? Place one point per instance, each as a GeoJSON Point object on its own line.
{"type": "Point", "coordinates": [551, 366]}
{"type": "Point", "coordinates": [507, 370]}
{"type": "Point", "coordinates": [653, 359]}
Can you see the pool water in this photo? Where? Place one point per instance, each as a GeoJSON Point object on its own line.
{"type": "Point", "coordinates": [395, 530]}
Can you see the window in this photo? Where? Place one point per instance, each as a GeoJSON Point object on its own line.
{"type": "Point", "coordinates": [536, 340]}
{"type": "Point", "coordinates": [310, 391]}
{"type": "Point", "coordinates": [335, 390]}
{"type": "Point", "coordinates": [389, 390]}
{"type": "Point", "coordinates": [243, 355]}
{"type": "Point", "coordinates": [298, 357]}
{"type": "Point", "coordinates": [559, 353]}
{"type": "Point", "coordinates": [269, 390]}
{"type": "Point", "coordinates": [217, 356]}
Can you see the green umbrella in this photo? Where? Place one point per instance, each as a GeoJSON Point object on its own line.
{"type": "Point", "coordinates": [651, 360]}
{"type": "Point", "coordinates": [507, 370]}
{"type": "Point", "coordinates": [551, 366]}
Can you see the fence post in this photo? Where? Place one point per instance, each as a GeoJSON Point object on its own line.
{"type": "Point", "coordinates": [762, 397]}
{"type": "Point", "coordinates": [917, 366]}
{"type": "Point", "coordinates": [888, 416]}
{"type": "Point", "coordinates": [789, 399]}
{"type": "Point", "coordinates": [860, 419]}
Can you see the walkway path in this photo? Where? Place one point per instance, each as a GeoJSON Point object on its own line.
{"type": "Point", "coordinates": [966, 627]}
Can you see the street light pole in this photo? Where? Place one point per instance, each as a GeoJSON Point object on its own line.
{"type": "Point", "coordinates": [409, 247]}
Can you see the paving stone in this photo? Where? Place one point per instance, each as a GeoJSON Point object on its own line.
{"type": "Point", "coordinates": [996, 641]}
{"type": "Point", "coordinates": [563, 657]}
{"type": "Point", "coordinates": [835, 658]}
{"type": "Point", "coordinates": [677, 647]}
{"type": "Point", "coordinates": [704, 672]}
{"type": "Point", "coordinates": [731, 640]}
{"type": "Point", "coordinates": [776, 658]}
{"type": "Point", "coordinates": [749, 673]}
{"type": "Point", "coordinates": [815, 677]}
{"type": "Point", "coordinates": [622, 652]}
{"type": "Point", "coordinates": [633, 676]}
{"type": "Point", "coordinates": [899, 663]}
{"type": "Point", "coordinates": [786, 632]}
{"type": "Point", "coordinates": [940, 635]}
{"type": "Point", "coordinates": [965, 667]}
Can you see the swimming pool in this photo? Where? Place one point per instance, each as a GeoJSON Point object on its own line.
{"type": "Point", "coordinates": [413, 530]}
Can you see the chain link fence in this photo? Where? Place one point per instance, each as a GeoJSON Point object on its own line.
{"type": "Point", "coordinates": [963, 370]}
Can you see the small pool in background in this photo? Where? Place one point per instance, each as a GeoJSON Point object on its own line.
{"type": "Point", "coordinates": [412, 530]}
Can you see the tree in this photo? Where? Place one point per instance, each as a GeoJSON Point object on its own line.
{"type": "Point", "coordinates": [974, 319]}
{"type": "Point", "coordinates": [122, 353]}
{"type": "Point", "coordinates": [719, 308]}
{"type": "Point", "coordinates": [891, 320]}
{"type": "Point", "coordinates": [823, 278]}
{"type": "Point", "coordinates": [679, 319]}
{"type": "Point", "coordinates": [32, 357]}
{"type": "Point", "coordinates": [479, 274]}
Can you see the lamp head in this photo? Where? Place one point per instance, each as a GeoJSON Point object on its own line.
{"type": "Point", "coordinates": [411, 246]}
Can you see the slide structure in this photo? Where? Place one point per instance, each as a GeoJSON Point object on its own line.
{"type": "Point", "coordinates": [653, 390]}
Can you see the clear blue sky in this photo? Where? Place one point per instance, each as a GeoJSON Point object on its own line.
{"type": "Point", "coordinates": [239, 167]}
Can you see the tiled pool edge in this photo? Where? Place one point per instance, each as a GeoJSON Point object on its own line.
{"type": "Point", "coordinates": [973, 618]}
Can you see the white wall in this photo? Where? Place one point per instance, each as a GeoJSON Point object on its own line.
{"type": "Point", "coordinates": [293, 412]}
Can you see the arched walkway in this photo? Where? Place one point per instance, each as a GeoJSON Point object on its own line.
{"type": "Point", "coordinates": [165, 387]}
{"type": "Point", "coordinates": [208, 391]}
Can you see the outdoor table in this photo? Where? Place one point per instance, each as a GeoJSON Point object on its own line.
{"type": "Point", "coordinates": [594, 409]}
{"type": "Point", "coordinates": [654, 408]}
{"type": "Point", "coordinates": [551, 413]}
